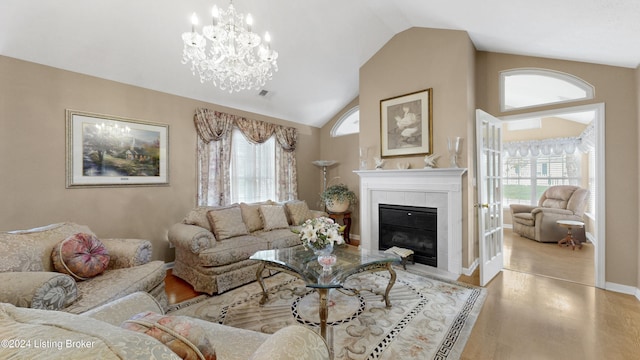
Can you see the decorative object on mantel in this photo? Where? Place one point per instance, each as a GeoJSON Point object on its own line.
{"type": "Point", "coordinates": [236, 59]}
{"type": "Point", "coordinates": [379, 163]}
{"type": "Point", "coordinates": [364, 156]}
{"type": "Point", "coordinates": [338, 198]}
{"type": "Point", "coordinates": [324, 164]}
{"type": "Point", "coordinates": [455, 146]}
{"type": "Point", "coordinates": [430, 161]}
{"type": "Point", "coordinates": [403, 165]}
{"type": "Point", "coordinates": [406, 124]}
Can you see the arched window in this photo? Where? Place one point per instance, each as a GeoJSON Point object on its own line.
{"type": "Point", "coordinates": [524, 88]}
{"type": "Point", "coordinates": [349, 123]}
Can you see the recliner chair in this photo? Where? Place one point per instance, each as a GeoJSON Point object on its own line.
{"type": "Point", "coordinates": [560, 202]}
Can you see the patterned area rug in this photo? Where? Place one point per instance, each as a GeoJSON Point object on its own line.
{"type": "Point", "coordinates": [430, 318]}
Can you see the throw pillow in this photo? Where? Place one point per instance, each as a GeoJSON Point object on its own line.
{"type": "Point", "coordinates": [227, 222]}
{"type": "Point", "coordinates": [273, 217]}
{"type": "Point", "coordinates": [198, 217]}
{"type": "Point", "coordinates": [298, 212]}
{"type": "Point", "coordinates": [179, 333]}
{"type": "Point", "coordinates": [80, 255]}
{"type": "Point", "coordinates": [251, 215]}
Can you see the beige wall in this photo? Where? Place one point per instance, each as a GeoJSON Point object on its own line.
{"type": "Point", "coordinates": [345, 150]}
{"type": "Point", "coordinates": [617, 88]}
{"type": "Point", "coordinates": [33, 99]}
{"type": "Point", "coordinates": [418, 59]}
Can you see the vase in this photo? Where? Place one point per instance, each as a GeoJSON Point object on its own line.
{"type": "Point", "coordinates": [327, 250]}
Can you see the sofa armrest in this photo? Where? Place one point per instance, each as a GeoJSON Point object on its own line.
{"type": "Point", "coordinates": [191, 237]}
{"type": "Point", "coordinates": [309, 345]}
{"type": "Point", "coordinates": [127, 253]}
{"type": "Point", "coordinates": [117, 311]}
{"type": "Point", "coordinates": [520, 208]}
{"type": "Point", "coordinates": [38, 289]}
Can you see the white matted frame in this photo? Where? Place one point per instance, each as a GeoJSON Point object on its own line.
{"type": "Point", "coordinates": [406, 124]}
{"type": "Point", "coordinates": [105, 150]}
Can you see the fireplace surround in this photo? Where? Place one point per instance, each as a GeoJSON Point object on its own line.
{"type": "Point", "coordinates": [432, 188]}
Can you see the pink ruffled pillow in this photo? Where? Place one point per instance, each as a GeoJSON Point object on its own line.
{"type": "Point", "coordinates": [80, 255]}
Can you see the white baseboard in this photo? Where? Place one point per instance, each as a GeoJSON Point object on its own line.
{"type": "Point", "coordinates": [355, 237]}
{"type": "Point", "coordinates": [624, 289]}
{"type": "Point", "coordinates": [591, 238]}
{"type": "Point", "coordinates": [168, 265]}
{"type": "Point", "coordinates": [507, 226]}
{"type": "Point", "coordinates": [471, 269]}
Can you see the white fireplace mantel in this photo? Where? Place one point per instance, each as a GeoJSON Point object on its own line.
{"type": "Point", "coordinates": [436, 188]}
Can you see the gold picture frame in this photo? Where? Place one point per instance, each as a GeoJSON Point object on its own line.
{"type": "Point", "coordinates": [406, 124]}
{"type": "Point", "coordinates": [107, 151]}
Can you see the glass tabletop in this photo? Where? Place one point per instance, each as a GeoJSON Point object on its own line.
{"type": "Point", "coordinates": [303, 262]}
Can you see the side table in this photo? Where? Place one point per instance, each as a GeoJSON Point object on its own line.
{"type": "Point", "coordinates": [570, 239]}
{"type": "Point", "coordinates": [346, 221]}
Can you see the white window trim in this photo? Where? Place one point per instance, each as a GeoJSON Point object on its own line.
{"type": "Point", "coordinates": [574, 80]}
{"type": "Point", "coordinates": [342, 119]}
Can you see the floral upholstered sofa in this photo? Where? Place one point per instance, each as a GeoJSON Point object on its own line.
{"type": "Point", "coordinates": [134, 327]}
{"type": "Point", "coordinates": [65, 267]}
{"type": "Point", "coordinates": [213, 244]}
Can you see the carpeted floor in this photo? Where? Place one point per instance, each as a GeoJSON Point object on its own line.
{"type": "Point", "coordinates": [430, 318]}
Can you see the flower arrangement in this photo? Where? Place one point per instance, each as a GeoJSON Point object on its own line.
{"type": "Point", "coordinates": [319, 233]}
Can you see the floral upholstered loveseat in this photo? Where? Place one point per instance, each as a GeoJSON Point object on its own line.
{"type": "Point", "coordinates": [33, 275]}
{"type": "Point", "coordinates": [134, 327]}
{"type": "Point", "coordinates": [213, 244]}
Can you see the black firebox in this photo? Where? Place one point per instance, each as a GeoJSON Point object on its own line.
{"type": "Point", "coordinates": [410, 227]}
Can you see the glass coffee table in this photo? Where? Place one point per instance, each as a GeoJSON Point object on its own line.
{"type": "Point", "coordinates": [303, 263]}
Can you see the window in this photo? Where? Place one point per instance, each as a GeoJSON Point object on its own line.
{"type": "Point", "coordinates": [526, 178]}
{"type": "Point", "coordinates": [349, 123]}
{"type": "Point", "coordinates": [523, 88]}
{"type": "Point", "coordinates": [253, 169]}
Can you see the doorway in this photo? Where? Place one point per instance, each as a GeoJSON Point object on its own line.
{"type": "Point", "coordinates": [561, 264]}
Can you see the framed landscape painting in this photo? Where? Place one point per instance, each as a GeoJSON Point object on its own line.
{"type": "Point", "coordinates": [406, 124]}
{"type": "Point", "coordinates": [104, 150]}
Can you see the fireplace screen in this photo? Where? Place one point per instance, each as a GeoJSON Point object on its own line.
{"type": "Point", "coordinates": [412, 228]}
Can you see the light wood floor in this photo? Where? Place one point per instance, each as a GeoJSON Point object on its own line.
{"type": "Point", "coordinates": [549, 259]}
{"type": "Point", "coordinates": [527, 316]}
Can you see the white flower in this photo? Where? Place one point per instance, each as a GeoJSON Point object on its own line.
{"type": "Point", "coordinates": [320, 232]}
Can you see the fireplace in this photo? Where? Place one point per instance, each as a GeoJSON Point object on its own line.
{"type": "Point", "coordinates": [410, 227]}
{"type": "Point", "coordinates": [439, 189]}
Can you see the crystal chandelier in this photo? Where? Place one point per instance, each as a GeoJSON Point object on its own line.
{"type": "Point", "coordinates": [236, 58]}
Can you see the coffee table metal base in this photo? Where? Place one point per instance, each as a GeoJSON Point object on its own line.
{"type": "Point", "coordinates": [323, 293]}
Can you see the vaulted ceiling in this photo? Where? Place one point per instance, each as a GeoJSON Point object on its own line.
{"type": "Point", "coordinates": [322, 43]}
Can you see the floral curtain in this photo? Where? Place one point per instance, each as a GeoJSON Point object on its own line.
{"type": "Point", "coordinates": [214, 154]}
{"type": "Point", "coordinates": [286, 166]}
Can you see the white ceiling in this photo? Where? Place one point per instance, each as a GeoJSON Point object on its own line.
{"type": "Point", "coordinates": [322, 43]}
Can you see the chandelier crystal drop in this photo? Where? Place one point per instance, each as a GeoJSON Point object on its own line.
{"type": "Point", "coordinates": [236, 58]}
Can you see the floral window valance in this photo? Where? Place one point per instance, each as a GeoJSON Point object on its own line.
{"type": "Point", "coordinates": [557, 146]}
{"type": "Point", "coordinates": [214, 125]}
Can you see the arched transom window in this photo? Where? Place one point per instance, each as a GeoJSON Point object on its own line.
{"type": "Point", "coordinates": [524, 88]}
{"type": "Point", "coordinates": [349, 123]}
